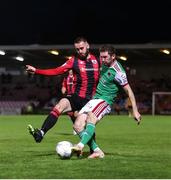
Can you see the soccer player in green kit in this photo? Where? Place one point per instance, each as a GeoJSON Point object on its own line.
{"type": "Point", "coordinates": [113, 77]}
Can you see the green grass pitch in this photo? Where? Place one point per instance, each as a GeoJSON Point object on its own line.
{"type": "Point", "coordinates": [132, 152]}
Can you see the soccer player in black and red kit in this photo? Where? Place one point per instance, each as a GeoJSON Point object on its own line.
{"type": "Point", "coordinates": [86, 69]}
{"type": "Point", "coordinates": [68, 84]}
{"type": "Point", "coordinates": [68, 88]}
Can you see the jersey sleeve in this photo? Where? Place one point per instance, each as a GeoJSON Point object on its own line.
{"type": "Point", "coordinates": [121, 78]}
{"type": "Point", "coordinates": [56, 71]}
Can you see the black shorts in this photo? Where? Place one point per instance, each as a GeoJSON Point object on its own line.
{"type": "Point", "coordinates": [77, 102]}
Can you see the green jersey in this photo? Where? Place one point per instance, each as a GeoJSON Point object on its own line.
{"type": "Point", "coordinates": [111, 78]}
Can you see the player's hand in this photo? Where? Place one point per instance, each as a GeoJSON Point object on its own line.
{"type": "Point", "coordinates": [137, 117]}
{"type": "Point", "coordinates": [30, 69]}
{"type": "Point", "coordinates": [138, 120]}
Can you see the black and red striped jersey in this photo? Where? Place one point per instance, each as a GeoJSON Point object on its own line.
{"type": "Point", "coordinates": [69, 84]}
{"type": "Point", "coordinates": [86, 73]}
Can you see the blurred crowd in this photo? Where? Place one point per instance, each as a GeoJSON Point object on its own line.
{"type": "Point", "coordinates": [47, 91]}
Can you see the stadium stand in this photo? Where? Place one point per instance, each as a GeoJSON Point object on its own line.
{"type": "Point", "coordinates": [19, 90]}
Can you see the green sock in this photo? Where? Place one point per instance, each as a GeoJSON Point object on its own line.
{"type": "Point", "coordinates": [88, 133]}
{"type": "Point", "coordinates": [91, 143]}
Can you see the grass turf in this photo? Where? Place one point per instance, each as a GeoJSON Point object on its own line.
{"type": "Point", "coordinates": [132, 152]}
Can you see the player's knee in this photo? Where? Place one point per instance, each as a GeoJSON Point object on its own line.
{"type": "Point", "coordinates": [91, 118]}
{"type": "Point", "coordinates": [76, 127]}
{"type": "Point", "coordinates": [80, 123]}
{"type": "Point", "coordinates": [63, 105]}
{"type": "Point", "coordinates": [57, 107]}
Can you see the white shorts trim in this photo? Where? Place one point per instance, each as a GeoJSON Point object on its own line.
{"type": "Point", "coordinates": [98, 107]}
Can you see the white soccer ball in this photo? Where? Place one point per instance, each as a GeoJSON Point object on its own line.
{"type": "Point", "coordinates": [63, 149]}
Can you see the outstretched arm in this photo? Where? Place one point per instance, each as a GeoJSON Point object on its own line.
{"type": "Point", "coordinates": [30, 69]}
{"type": "Point", "coordinates": [51, 72]}
{"type": "Point", "coordinates": [48, 72]}
{"type": "Point", "coordinates": [130, 93]}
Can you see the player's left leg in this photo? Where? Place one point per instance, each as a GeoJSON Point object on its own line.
{"type": "Point", "coordinates": [36, 133]}
{"type": "Point", "coordinates": [91, 143]}
{"type": "Point", "coordinates": [95, 151]}
{"type": "Point", "coordinates": [79, 126]}
{"type": "Point", "coordinates": [96, 109]}
{"type": "Point", "coordinates": [86, 134]}
{"type": "Point", "coordinates": [51, 120]}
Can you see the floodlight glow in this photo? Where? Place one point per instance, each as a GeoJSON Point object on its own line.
{"type": "Point", "coordinates": [19, 58]}
{"type": "Point", "coordinates": [54, 52]}
{"type": "Point", "coordinates": [166, 51]}
{"type": "Point", "coordinates": [2, 52]}
{"type": "Point", "coordinates": [123, 58]}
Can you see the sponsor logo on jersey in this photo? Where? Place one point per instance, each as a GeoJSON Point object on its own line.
{"type": "Point", "coordinates": [88, 69]}
{"type": "Point", "coordinates": [109, 74]}
{"type": "Point", "coordinates": [94, 61]}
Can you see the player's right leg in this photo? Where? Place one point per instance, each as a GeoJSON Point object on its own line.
{"type": "Point", "coordinates": [78, 150]}
{"type": "Point", "coordinates": [36, 133]}
{"type": "Point", "coordinates": [92, 143]}
{"type": "Point", "coordinates": [50, 121]}
{"type": "Point", "coordinates": [98, 153]}
{"type": "Point", "coordinates": [96, 109]}
{"type": "Point", "coordinates": [79, 126]}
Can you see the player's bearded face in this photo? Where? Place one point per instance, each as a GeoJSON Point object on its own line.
{"type": "Point", "coordinates": [82, 50]}
{"type": "Point", "coordinates": [106, 58]}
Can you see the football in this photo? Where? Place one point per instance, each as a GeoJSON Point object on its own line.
{"type": "Point", "coordinates": [63, 149]}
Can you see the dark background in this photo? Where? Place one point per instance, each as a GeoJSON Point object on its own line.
{"type": "Point", "coordinates": [105, 21]}
{"type": "Point", "coordinates": [47, 24]}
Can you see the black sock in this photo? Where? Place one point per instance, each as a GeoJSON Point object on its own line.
{"type": "Point", "coordinates": [49, 122]}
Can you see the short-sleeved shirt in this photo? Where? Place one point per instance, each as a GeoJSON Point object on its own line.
{"type": "Point", "coordinates": [111, 79]}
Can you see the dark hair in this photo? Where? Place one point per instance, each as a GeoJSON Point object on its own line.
{"type": "Point", "coordinates": [80, 39]}
{"type": "Point", "coordinates": [110, 49]}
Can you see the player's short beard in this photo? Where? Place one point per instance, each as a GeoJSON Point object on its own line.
{"type": "Point", "coordinates": [109, 62]}
{"type": "Point", "coordinates": [83, 57]}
